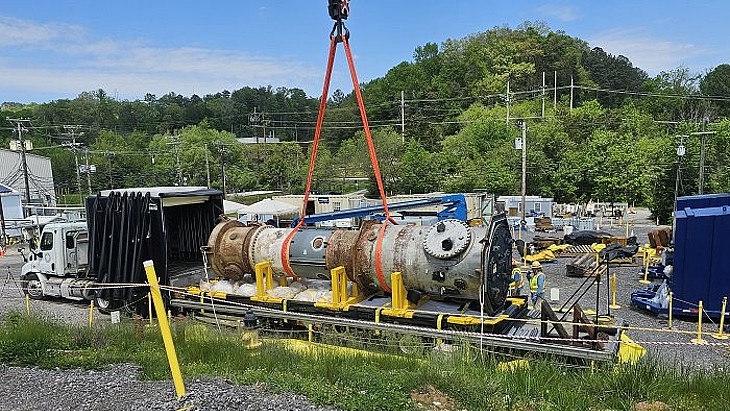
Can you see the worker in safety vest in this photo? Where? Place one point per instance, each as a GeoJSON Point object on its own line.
{"type": "Point", "coordinates": [515, 287]}
{"type": "Point", "coordinates": [537, 285]}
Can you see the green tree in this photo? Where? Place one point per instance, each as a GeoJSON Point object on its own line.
{"type": "Point", "coordinates": [717, 83]}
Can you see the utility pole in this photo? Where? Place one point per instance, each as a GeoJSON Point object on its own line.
{"type": "Point", "coordinates": [571, 94]}
{"type": "Point", "coordinates": [703, 134]}
{"type": "Point", "coordinates": [508, 101]}
{"type": "Point", "coordinates": [680, 153]}
{"type": "Point", "coordinates": [88, 170]}
{"type": "Point", "coordinates": [207, 165]}
{"type": "Point", "coordinates": [109, 157]}
{"type": "Point", "coordinates": [71, 130]}
{"type": "Point", "coordinates": [223, 167]}
{"type": "Point", "coordinates": [543, 95]}
{"type": "Point", "coordinates": [555, 92]}
{"type": "Point", "coordinates": [402, 116]}
{"type": "Point", "coordinates": [524, 172]}
{"type": "Point", "coordinates": [176, 143]}
{"type": "Point", "coordinates": [19, 124]}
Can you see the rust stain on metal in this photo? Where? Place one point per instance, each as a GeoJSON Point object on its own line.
{"type": "Point", "coordinates": [340, 247]}
{"type": "Point", "coordinates": [361, 263]}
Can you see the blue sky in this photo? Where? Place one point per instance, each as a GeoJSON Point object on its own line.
{"type": "Point", "coordinates": [51, 49]}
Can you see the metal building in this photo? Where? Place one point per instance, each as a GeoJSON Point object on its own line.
{"type": "Point", "coordinates": [534, 206]}
{"type": "Point", "coordinates": [12, 211]}
{"type": "Point", "coordinates": [40, 176]}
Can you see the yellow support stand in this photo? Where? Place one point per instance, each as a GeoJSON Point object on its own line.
{"type": "Point", "coordinates": [613, 293]}
{"type": "Point", "coordinates": [340, 299]}
{"type": "Point", "coordinates": [720, 335]}
{"type": "Point", "coordinates": [400, 307]}
{"type": "Point", "coordinates": [27, 305]}
{"type": "Point", "coordinates": [264, 282]}
{"type": "Point", "coordinates": [177, 378]}
{"type": "Point", "coordinates": [699, 339]}
{"type": "Point", "coordinates": [91, 314]}
{"type": "Point", "coordinates": [646, 270]}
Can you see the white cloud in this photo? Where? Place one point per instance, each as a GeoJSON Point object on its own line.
{"type": "Point", "coordinates": [54, 59]}
{"type": "Point", "coordinates": [18, 32]}
{"type": "Point", "coordinates": [645, 51]}
{"type": "Point", "coordinates": [562, 13]}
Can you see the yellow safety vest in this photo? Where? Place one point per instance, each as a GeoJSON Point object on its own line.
{"type": "Point", "coordinates": [533, 282]}
{"type": "Point", "coordinates": [517, 284]}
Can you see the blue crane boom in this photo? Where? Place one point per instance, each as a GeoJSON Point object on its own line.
{"type": "Point", "coordinates": [454, 206]}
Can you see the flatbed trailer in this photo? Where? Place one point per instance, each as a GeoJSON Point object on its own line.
{"type": "Point", "coordinates": [515, 330]}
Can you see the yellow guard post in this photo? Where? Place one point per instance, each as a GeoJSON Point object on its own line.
{"type": "Point", "coordinates": [149, 268]}
{"type": "Point", "coordinates": [400, 306]}
{"type": "Point", "coordinates": [261, 269]}
{"type": "Point", "coordinates": [340, 299]}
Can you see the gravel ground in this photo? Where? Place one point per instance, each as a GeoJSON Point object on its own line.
{"type": "Point", "coordinates": [673, 348]}
{"type": "Point", "coordinates": [119, 388]}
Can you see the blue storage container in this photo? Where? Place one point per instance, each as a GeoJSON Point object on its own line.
{"type": "Point", "coordinates": [702, 201]}
{"type": "Point", "coordinates": [702, 246]}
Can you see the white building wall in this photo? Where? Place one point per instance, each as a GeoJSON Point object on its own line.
{"type": "Point", "coordinates": [40, 176]}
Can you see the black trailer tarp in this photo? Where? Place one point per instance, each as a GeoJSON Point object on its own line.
{"type": "Point", "coordinates": [126, 229]}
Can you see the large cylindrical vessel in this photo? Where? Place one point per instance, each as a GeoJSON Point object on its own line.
{"type": "Point", "coordinates": [448, 259]}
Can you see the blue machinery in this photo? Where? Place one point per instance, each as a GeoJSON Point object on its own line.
{"type": "Point", "coordinates": [454, 206]}
{"type": "Point", "coordinates": [700, 262]}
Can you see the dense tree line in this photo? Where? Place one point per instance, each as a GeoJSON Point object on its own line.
{"type": "Point", "coordinates": [612, 135]}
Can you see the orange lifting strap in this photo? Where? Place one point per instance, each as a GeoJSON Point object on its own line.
{"type": "Point", "coordinates": [340, 34]}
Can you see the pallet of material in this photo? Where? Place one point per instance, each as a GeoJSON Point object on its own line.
{"type": "Point", "coordinates": [544, 224]}
{"type": "Point", "coordinates": [577, 251]}
{"type": "Point", "coordinates": [584, 266]}
{"type": "Point", "coordinates": [545, 242]}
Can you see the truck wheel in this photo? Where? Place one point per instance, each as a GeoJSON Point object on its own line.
{"type": "Point", "coordinates": [103, 305]}
{"type": "Point", "coordinates": [107, 306]}
{"type": "Point", "coordinates": [32, 286]}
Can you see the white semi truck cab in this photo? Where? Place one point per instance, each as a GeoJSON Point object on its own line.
{"type": "Point", "coordinates": [57, 267]}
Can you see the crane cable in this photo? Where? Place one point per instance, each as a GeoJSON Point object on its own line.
{"type": "Point", "coordinates": [340, 34]}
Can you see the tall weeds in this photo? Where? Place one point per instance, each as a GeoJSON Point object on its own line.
{"type": "Point", "coordinates": [380, 379]}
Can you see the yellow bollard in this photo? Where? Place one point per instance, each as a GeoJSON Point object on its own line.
{"type": "Point", "coordinates": [310, 332]}
{"type": "Point", "coordinates": [613, 292]}
{"type": "Point", "coordinates": [177, 378]}
{"type": "Point", "coordinates": [646, 269]}
{"type": "Point", "coordinates": [720, 335]}
{"type": "Point", "coordinates": [91, 314]}
{"type": "Point", "coordinates": [699, 339]}
{"type": "Point", "coordinates": [670, 301]}
{"type": "Point", "coordinates": [27, 305]}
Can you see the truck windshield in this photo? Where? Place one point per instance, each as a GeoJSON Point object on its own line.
{"type": "Point", "coordinates": [47, 241]}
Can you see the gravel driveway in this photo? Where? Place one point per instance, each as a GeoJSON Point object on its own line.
{"type": "Point", "coordinates": [671, 348]}
{"type": "Point", "coordinates": [119, 389]}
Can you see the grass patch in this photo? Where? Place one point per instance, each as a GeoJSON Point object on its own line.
{"type": "Point", "coordinates": [354, 380]}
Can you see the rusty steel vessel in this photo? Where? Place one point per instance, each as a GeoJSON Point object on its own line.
{"type": "Point", "coordinates": [448, 260]}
